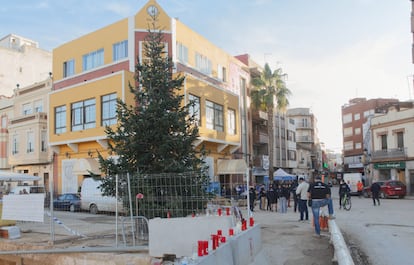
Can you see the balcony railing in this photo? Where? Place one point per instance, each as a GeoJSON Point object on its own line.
{"type": "Point", "coordinates": [40, 116]}
{"type": "Point", "coordinates": [389, 153]}
{"type": "Point", "coordinates": [304, 139]}
{"type": "Point", "coordinates": [261, 138]}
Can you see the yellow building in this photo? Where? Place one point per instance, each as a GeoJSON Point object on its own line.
{"type": "Point", "coordinates": [92, 71]}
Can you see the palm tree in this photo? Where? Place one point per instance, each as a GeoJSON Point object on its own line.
{"type": "Point", "coordinates": [270, 89]}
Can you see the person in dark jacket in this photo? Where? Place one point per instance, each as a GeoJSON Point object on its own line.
{"type": "Point", "coordinates": [375, 190]}
{"type": "Point", "coordinates": [284, 196]}
{"type": "Point", "coordinates": [272, 199]}
{"type": "Point", "coordinates": [343, 189]}
{"type": "Point", "coordinates": [252, 198]}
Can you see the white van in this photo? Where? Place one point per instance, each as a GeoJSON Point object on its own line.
{"type": "Point", "coordinates": [352, 179]}
{"type": "Point", "coordinates": [93, 201]}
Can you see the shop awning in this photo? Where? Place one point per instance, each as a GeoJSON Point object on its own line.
{"type": "Point", "coordinates": [86, 166]}
{"type": "Point", "coordinates": [231, 166]}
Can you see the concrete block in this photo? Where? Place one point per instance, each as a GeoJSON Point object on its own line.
{"type": "Point", "coordinates": [179, 236]}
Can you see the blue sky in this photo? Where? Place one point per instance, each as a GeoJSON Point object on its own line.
{"type": "Point", "coordinates": [332, 50]}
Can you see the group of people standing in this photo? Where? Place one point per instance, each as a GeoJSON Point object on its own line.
{"type": "Point", "coordinates": [277, 197]}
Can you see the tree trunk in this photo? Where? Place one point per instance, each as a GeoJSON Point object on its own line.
{"type": "Point", "coordinates": [270, 146]}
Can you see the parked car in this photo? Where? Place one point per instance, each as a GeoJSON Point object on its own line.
{"type": "Point", "coordinates": [67, 202]}
{"type": "Point", "coordinates": [389, 188]}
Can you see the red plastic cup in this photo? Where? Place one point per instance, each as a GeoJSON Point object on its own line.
{"type": "Point", "coordinates": [200, 248]}
{"type": "Point", "coordinates": [219, 211]}
{"type": "Point", "coordinates": [244, 225]}
{"type": "Point", "coordinates": [227, 211]}
{"type": "Point", "coordinates": [205, 252]}
{"type": "Point", "coordinates": [231, 232]}
{"type": "Point", "coordinates": [251, 221]}
{"type": "Point", "coordinates": [223, 239]}
{"type": "Point", "coordinates": [214, 239]}
{"type": "Point", "coordinates": [219, 232]}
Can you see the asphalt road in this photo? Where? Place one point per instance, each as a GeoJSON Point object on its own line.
{"type": "Point", "coordinates": [381, 235]}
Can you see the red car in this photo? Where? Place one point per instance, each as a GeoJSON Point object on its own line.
{"type": "Point", "coordinates": [389, 188]}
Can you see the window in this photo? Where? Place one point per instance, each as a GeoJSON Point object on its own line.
{"type": "Point", "coordinates": [347, 131]}
{"type": "Point", "coordinates": [357, 116]}
{"type": "Point", "coordinates": [4, 122]}
{"type": "Point", "coordinates": [346, 118]}
{"type": "Point", "coordinates": [368, 112]}
{"type": "Point", "coordinates": [27, 109]}
{"type": "Point", "coordinates": [357, 131]}
{"type": "Point", "coordinates": [292, 155]}
{"type": "Point", "coordinates": [109, 109]}
{"type": "Point", "coordinates": [400, 139]}
{"type": "Point", "coordinates": [203, 64]}
{"type": "Point", "coordinates": [349, 145]}
{"type": "Point", "coordinates": [68, 68]}
{"type": "Point", "coordinates": [15, 145]}
{"type": "Point", "coordinates": [291, 135]}
{"type": "Point", "coordinates": [30, 142]}
{"type": "Point", "coordinates": [120, 50]}
{"type": "Point", "coordinates": [60, 119]}
{"type": "Point", "coordinates": [231, 121]}
{"type": "Point", "coordinates": [93, 60]}
{"type": "Point", "coordinates": [83, 115]}
{"type": "Point", "coordinates": [384, 142]}
{"type": "Point", "coordinates": [43, 141]}
{"type": "Point", "coordinates": [357, 145]}
{"type": "Point", "coordinates": [221, 73]}
{"type": "Point", "coordinates": [194, 109]}
{"type": "Point", "coordinates": [182, 53]}
{"type": "Point", "coordinates": [214, 116]}
{"type": "Point", "coordinates": [38, 106]}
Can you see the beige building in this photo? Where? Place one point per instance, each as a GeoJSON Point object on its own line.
{"type": "Point", "coordinates": [25, 132]}
{"type": "Point", "coordinates": [392, 155]}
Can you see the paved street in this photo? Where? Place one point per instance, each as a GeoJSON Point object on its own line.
{"type": "Point", "coordinates": [383, 233]}
{"type": "Point", "coordinates": [289, 242]}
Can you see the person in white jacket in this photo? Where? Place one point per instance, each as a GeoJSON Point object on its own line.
{"type": "Point", "coordinates": [302, 193]}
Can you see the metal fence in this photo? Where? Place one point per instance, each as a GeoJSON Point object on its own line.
{"type": "Point", "coordinates": [144, 196]}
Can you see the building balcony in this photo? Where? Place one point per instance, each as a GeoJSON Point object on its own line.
{"type": "Point", "coordinates": [389, 154]}
{"type": "Point", "coordinates": [38, 116]}
{"type": "Point", "coordinates": [304, 139]}
{"type": "Point", "coordinates": [260, 138]}
{"type": "Point", "coordinates": [302, 125]}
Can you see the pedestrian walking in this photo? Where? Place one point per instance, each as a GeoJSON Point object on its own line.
{"type": "Point", "coordinates": [375, 190]}
{"type": "Point", "coordinates": [320, 194]}
{"type": "Point", "coordinates": [302, 194]}
{"type": "Point", "coordinates": [343, 190]}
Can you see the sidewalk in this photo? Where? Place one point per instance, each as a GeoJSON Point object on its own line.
{"type": "Point", "coordinates": [287, 241]}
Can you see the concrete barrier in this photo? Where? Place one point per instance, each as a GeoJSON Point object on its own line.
{"type": "Point", "coordinates": [342, 256]}
{"type": "Point", "coordinates": [179, 237]}
{"type": "Point", "coordinates": [244, 248]}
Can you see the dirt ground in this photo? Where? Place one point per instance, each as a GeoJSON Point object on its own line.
{"type": "Point", "coordinates": [290, 242]}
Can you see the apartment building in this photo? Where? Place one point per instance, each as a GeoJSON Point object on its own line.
{"type": "Point", "coordinates": [93, 70]}
{"type": "Point", "coordinates": [309, 155]}
{"type": "Point", "coordinates": [26, 63]}
{"type": "Point", "coordinates": [354, 115]}
{"type": "Point", "coordinates": [24, 132]}
{"type": "Point", "coordinates": [392, 155]}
